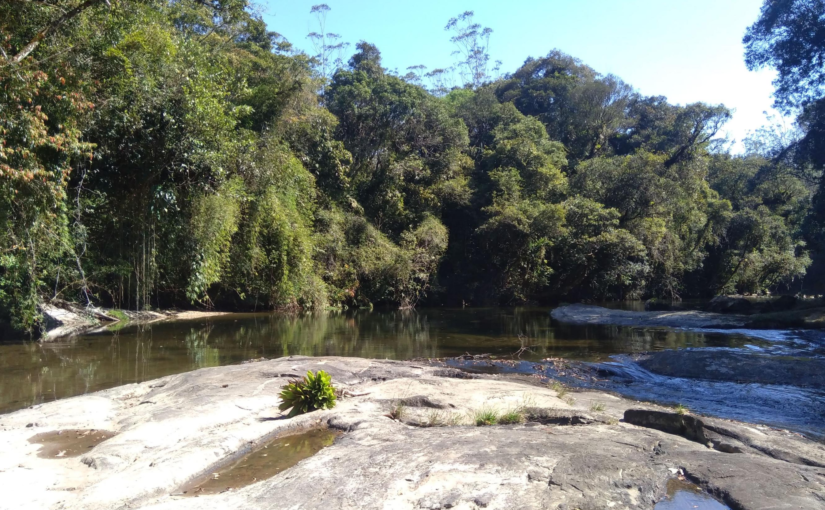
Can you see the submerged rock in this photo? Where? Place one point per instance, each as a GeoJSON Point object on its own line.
{"type": "Point", "coordinates": [729, 304]}
{"type": "Point", "coordinates": [726, 365]}
{"type": "Point", "coordinates": [658, 305]}
{"type": "Point", "coordinates": [597, 315]}
{"type": "Point", "coordinates": [570, 453]}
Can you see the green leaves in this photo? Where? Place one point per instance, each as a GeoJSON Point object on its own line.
{"type": "Point", "coordinates": [314, 392]}
{"type": "Point", "coordinates": [163, 153]}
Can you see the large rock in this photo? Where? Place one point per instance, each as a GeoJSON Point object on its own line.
{"type": "Point", "coordinates": [576, 454]}
{"type": "Point", "coordinates": [684, 425]}
{"type": "Point", "coordinates": [780, 304]}
{"type": "Point", "coordinates": [596, 315]}
{"type": "Point", "coordinates": [729, 304]}
{"type": "Point", "coordinates": [63, 321]}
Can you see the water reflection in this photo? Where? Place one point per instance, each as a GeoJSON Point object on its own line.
{"type": "Point", "coordinates": [32, 373]}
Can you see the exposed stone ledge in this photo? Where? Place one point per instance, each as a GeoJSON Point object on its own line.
{"type": "Point", "coordinates": [574, 454]}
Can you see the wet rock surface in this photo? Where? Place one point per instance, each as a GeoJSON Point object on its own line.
{"type": "Point", "coordinates": [695, 319]}
{"type": "Point", "coordinates": [68, 443]}
{"type": "Point", "coordinates": [728, 365]}
{"type": "Point", "coordinates": [571, 453]}
{"type": "Point", "coordinates": [265, 462]}
{"type": "Point", "coordinates": [729, 304]}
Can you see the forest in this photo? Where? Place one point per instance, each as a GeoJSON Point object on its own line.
{"type": "Point", "coordinates": [179, 153]}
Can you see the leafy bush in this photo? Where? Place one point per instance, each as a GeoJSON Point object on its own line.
{"type": "Point", "coordinates": [313, 392]}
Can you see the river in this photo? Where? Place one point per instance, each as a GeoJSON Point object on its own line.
{"type": "Point", "coordinates": [33, 373]}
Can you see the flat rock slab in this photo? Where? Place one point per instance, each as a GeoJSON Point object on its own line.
{"type": "Point", "coordinates": [175, 429]}
{"type": "Point", "coordinates": [693, 319]}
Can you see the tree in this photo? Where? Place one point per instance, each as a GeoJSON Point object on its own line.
{"type": "Point", "coordinates": [179, 153]}
{"type": "Point", "coordinates": [789, 36]}
{"type": "Point", "coordinates": [406, 149]}
{"type": "Point", "coordinates": [580, 108]}
{"type": "Point", "coordinates": [472, 42]}
{"type": "Point", "coordinates": [326, 44]}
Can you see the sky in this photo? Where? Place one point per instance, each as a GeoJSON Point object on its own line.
{"type": "Point", "coordinates": [686, 50]}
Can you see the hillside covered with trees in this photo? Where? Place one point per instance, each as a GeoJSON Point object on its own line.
{"type": "Point", "coordinates": [158, 153]}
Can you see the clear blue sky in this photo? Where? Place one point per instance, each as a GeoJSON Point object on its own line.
{"type": "Point", "coordinates": [687, 50]}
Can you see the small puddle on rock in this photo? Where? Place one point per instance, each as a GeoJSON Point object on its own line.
{"type": "Point", "coordinates": [266, 462]}
{"type": "Point", "coordinates": [69, 443]}
{"type": "Point", "coordinates": [683, 495]}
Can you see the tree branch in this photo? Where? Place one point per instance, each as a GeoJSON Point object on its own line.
{"type": "Point", "coordinates": [46, 31]}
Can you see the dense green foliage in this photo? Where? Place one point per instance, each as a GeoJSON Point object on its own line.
{"type": "Point", "coordinates": [162, 153]}
{"type": "Point", "coordinates": [314, 392]}
{"type": "Point", "coordinates": [790, 37]}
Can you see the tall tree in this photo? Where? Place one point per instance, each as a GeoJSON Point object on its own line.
{"type": "Point", "coordinates": [472, 42]}
{"type": "Point", "coordinates": [328, 46]}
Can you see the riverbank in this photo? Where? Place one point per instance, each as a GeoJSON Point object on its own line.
{"type": "Point", "coordinates": [63, 319]}
{"type": "Point", "coordinates": [575, 449]}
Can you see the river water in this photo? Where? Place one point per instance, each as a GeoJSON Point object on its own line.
{"type": "Point", "coordinates": [32, 373]}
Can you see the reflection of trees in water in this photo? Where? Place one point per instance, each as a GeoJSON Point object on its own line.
{"type": "Point", "coordinates": [87, 373]}
{"type": "Point", "coordinates": [143, 350]}
{"type": "Point", "coordinates": [31, 373]}
{"type": "Point", "coordinates": [399, 334]}
{"type": "Point", "coordinates": [361, 333]}
{"type": "Point", "coordinates": [200, 353]}
{"type": "Point", "coordinates": [306, 444]}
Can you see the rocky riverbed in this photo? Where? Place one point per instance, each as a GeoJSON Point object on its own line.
{"type": "Point", "coordinates": [576, 450]}
{"type": "Point", "coordinates": [695, 319]}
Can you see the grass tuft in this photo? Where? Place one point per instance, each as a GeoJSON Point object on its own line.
{"type": "Point", "coordinates": [485, 417]}
{"type": "Point", "coordinates": [397, 411]}
{"type": "Point", "coordinates": [597, 407]}
{"type": "Point", "coordinates": [680, 409]}
{"type": "Point", "coordinates": [436, 419]}
{"type": "Point", "coordinates": [510, 417]}
{"type": "Point", "coordinates": [560, 389]}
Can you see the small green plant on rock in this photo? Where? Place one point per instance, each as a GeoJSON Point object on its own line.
{"type": "Point", "coordinates": [597, 407]}
{"type": "Point", "coordinates": [511, 417]}
{"type": "Point", "coordinates": [680, 409]}
{"type": "Point", "coordinates": [485, 416]}
{"type": "Point", "coordinates": [315, 391]}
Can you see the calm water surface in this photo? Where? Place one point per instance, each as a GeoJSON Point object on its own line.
{"type": "Point", "coordinates": [32, 373]}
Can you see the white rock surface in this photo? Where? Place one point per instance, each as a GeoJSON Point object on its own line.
{"type": "Point", "coordinates": [174, 429]}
